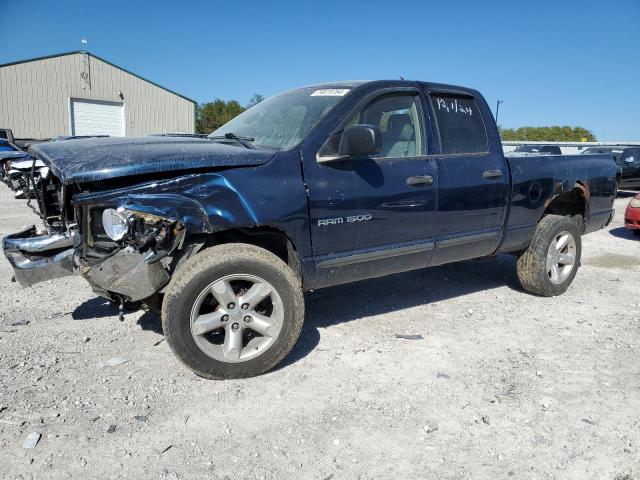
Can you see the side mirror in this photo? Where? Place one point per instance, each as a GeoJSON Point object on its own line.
{"type": "Point", "coordinates": [360, 140]}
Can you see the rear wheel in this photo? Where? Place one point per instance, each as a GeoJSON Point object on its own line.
{"type": "Point", "coordinates": [233, 311]}
{"type": "Point", "coordinates": [551, 262]}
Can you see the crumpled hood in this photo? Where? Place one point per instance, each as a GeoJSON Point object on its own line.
{"type": "Point", "coordinates": [92, 159]}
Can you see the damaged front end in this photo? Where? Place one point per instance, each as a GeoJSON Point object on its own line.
{"type": "Point", "coordinates": [36, 257]}
{"type": "Point", "coordinates": [126, 254]}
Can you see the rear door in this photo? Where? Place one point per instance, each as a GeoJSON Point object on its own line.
{"type": "Point", "coordinates": [472, 177]}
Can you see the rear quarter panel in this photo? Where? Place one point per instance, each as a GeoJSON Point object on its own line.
{"type": "Point", "coordinates": [537, 180]}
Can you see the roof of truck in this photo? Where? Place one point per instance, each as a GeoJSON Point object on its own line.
{"type": "Point", "coordinates": [393, 83]}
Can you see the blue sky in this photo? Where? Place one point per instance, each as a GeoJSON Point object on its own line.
{"type": "Point", "coordinates": [574, 62]}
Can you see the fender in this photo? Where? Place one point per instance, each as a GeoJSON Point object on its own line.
{"type": "Point", "coordinates": [225, 205]}
{"type": "Point", "coordinates": [569, 186]}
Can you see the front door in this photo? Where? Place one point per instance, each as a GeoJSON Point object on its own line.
{"type": "Point", "coordinates": [367, 213]}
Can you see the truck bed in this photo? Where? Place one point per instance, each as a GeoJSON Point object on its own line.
{"type": "Point", "coordinates": [536, 178]}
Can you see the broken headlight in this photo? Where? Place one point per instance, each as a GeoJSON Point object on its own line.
{"type": "Point", "coordinates": [142, 230]}
{"type": "Point", "coordinates": [115, 223]}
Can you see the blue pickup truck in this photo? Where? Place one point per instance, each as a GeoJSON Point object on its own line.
{"type": "Point", "coordinates": [314, 187]}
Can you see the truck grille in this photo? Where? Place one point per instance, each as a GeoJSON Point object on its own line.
{"type": "Point", "coordinates": [49, 194]}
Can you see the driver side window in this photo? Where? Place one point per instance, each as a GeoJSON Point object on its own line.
{"type": "Point", "coordinates": [399, 118]}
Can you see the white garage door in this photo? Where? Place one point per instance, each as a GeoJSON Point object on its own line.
{"type": "Point", "coordinates": [97, 118]}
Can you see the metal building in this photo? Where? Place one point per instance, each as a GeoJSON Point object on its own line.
{"type": "Point", "coordinates": [78, 93]}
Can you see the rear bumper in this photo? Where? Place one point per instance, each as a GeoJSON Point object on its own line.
{"type": "Point", "coordinates": [37, 258]}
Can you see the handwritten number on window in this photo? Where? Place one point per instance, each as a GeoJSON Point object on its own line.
{"type": "Point", "coordinates": [453, 106]}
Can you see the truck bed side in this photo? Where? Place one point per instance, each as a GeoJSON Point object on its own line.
{"type": "Point", "coordinates": [537, 181]}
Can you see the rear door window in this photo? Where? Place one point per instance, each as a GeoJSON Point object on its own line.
{"type": "Point", "coordinates": [460, 125]}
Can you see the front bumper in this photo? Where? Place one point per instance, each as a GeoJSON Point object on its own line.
{"type": "Point", "coordinates": [127, 273]}
{"type": "Point", "coordinates": [37, 258]}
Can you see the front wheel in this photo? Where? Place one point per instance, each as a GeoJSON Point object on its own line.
{"type": "Point", "coordinates": [233, 311]}
{"type": "Point", "coordinates": [551, 262]}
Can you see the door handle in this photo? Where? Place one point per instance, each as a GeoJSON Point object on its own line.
{"type": "Point", "coordinates": [489, 174]}
{"type": "Point", "coordinates": [420, 181]}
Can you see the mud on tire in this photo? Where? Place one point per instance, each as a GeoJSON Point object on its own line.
{"type": "Point", "coordinates": [192, 281]}
{"type": "Point", "coordinates": [533, 264]}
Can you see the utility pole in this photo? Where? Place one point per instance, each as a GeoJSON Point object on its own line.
{"type": "Point", "coordinates": [498, 109]}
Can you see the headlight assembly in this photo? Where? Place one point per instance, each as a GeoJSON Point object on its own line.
{"type": "Point", "coordinates": [115, 223]}
{"type": "Point", "coordinates": [635, 203]}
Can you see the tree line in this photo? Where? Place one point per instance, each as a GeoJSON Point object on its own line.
{"type": "Point", "coordinates": [548, 134]}
{"type": "Point", "coordinates": [212, 115]}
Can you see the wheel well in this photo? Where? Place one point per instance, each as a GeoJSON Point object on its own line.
{"type": "Point", "coordinates": [573, 202]}
{"type": "Point", "coordinates": [271, 239]}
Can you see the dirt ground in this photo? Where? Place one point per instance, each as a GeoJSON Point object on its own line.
{"type": "Point", "coordinates": [500, 384]}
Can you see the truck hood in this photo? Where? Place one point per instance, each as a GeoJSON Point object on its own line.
{"type": "Point", "coordinates": [93, 159]}
{"type": "Point", "coordinates": [11, 155]}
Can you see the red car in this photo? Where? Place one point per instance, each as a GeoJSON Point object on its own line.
{"type": "Point", "coordinates": [632, 215]}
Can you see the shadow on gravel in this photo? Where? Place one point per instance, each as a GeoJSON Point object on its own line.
{"type": "Point", "coordinates": [151, 321]}
{"type": "Point", "coordinates": [622, 232]}
{"type": "Point", "coordinates": [356, 301]}
{"type": "Point", "coordinates": [96, 307]}
{"type": "Point", "coordinates": [99, 308]}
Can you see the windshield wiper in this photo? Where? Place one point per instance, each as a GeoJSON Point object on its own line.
{"type": "Point", "coordinates": [244, 141]}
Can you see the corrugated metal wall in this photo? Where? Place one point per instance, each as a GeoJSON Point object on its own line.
{"type": "Point", "coordinates": [35, 96]}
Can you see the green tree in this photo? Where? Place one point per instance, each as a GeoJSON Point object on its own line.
{"type": "Point", "coordinates": [255, 99]}
{"type": "Point", "coordinates": [212, 115]}
{"type": "Point", "coordinates": [553, 133]}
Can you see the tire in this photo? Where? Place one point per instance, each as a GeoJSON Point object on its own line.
{"type": "Point", "coordinates": [224, 269]}
{"type": "Point", "coordinates": [534, 263]}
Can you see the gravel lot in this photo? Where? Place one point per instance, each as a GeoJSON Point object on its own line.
{"type": "Point", "coordinates": [498, 384]}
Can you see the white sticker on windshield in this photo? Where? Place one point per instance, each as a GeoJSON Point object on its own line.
{"type": "Point", "coordinates": [330, 92]}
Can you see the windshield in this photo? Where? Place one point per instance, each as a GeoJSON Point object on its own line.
{"type": "Point", "coordinates": [282, 121]}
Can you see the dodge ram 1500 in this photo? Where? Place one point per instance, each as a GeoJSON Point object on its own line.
{"type": "Point", "coordinates": [314, 187]}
